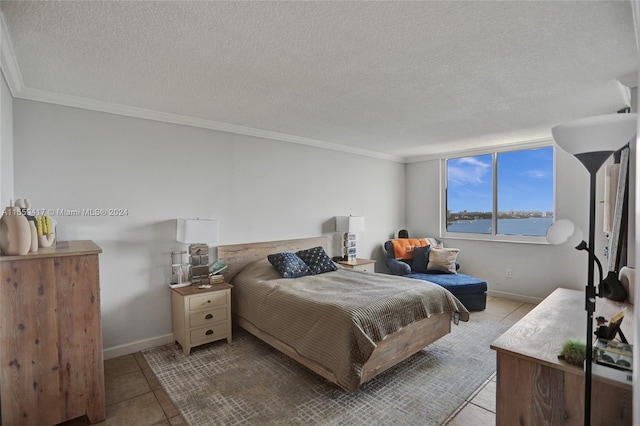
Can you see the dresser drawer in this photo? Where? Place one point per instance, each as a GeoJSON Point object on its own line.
{"type": "Point", "coordinates": [207, 300]}
{"type": "Point", "coordinates": [212, 316]}
{"type": "Point", "coordinates": [209, 334]}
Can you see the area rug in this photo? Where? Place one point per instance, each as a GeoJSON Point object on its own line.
{"type": "Point", "coordinates": [249, 383]}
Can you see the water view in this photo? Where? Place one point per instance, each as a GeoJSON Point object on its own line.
{"type": "Point", "coordinates": [532, 226]}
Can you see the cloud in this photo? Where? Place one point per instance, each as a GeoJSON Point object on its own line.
{"type": "Point", "coordinates": [536, 174]}
{"type": "Point", "coordinates": [467, 171]}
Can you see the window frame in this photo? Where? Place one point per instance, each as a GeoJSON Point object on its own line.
{"type": "Point", "coordinates": [523, 239]}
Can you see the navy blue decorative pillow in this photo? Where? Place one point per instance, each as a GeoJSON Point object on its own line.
{"type": "Point", "coordinates": [420, 259]}
{"type": "Point", "coordinates": [317, 260]}
{"type": "Point", "coordinates": [289, 265]}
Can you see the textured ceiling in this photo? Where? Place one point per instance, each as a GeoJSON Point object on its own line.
{"type": "Point", "coordinates": [400, 79]}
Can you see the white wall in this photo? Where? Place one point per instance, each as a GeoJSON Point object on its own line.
{"type": "Point", "coordinates": [537, 269]}
{"type": "Point", "coordinates": [6, 144]}
{"type": "Point", "coordinates": [258, 190]}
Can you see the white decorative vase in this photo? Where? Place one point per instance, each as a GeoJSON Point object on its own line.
{"type": "Point", "coordinates": [46, 240]}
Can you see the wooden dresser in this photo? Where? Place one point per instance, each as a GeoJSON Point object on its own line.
{"type": "Point", "coordinates": [51, 363]}
{"type": "Point", "coordinates": [536, 388]}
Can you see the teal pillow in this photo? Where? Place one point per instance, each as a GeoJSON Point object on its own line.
{"type": "Point", "coordinates": [289, 265]}
{"type": "Point", "coordinates": [420, 259]}
{"type": "Point", "coordinates": [317, 260]}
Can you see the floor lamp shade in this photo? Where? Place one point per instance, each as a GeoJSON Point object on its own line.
{"type": "Point", "coordinates": [564, 232]}
{"type": "Point", "coordinates": [197, 231]}
{"type": "Point", "coordinates": [594, 134]}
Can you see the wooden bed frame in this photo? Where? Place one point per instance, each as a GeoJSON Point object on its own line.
{"type": "Point", "coordinates": [391, 350]}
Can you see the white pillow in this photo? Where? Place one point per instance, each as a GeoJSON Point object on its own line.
{"type": "Point", "coordinates": [443, 260]}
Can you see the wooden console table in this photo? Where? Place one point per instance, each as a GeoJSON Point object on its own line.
{"type": "Point", "coordinates": [536, 388]}
{"type": "Point", "coordinates": [51, 363]}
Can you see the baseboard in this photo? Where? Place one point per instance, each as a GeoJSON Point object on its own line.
{"type": "Point", "coordinates": [137, 346]}
{"type": "Point", "coordinates": [514, 296]}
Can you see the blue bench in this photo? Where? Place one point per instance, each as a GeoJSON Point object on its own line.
{"type": "Point", "coordinates": [471, 291]}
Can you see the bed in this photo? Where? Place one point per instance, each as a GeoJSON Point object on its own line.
{"type": "Point", "coordinates": [347, 326]}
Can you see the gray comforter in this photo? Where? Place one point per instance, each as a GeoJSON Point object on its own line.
{"type": "Point", "coordinates": [337, 317]}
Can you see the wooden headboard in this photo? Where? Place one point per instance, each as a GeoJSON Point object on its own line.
{"type": "Point", "coordinates": [236, 256]}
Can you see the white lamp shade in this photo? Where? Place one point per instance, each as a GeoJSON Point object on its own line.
{"type": "Point", "coordinates": [349, 224]}
{"type": "Point", "coordinates": [197, 231]}
{"type": "Point", "coordinates": [593, 134]}
{"type": "Point", "coordinates": [564, 231]}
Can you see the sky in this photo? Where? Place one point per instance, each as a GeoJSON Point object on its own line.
{"type": "Point", "coordinates": [525, 181]}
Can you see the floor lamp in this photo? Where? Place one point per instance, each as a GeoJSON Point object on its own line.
{"type": "Point", "coordinates": [592, 140]}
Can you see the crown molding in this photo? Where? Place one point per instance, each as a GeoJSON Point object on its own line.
{"type": "Point", "coordinates": [130, 111]}
{"type": "Point", "coordinates": [8, 63]}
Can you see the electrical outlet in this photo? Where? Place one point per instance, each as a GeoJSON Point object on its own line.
{"type": "Point", "coordinates": [507, 273]}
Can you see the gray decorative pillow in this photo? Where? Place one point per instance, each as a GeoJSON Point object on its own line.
{"type": "Point", "coordinates": [420, 259]}
{"type": "Point", "coordinates": [317, 260]}
{"type": "Point", "coordinates": [443, 260]}
{"type": "Point", "coordinates": [289, 265]}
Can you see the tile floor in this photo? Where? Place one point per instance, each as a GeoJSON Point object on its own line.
{"type": "Point", "coordinates": [480, 407]}
{"type": "Point", "coordinates": [134, 396]}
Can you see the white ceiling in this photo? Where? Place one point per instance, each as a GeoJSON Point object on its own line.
{"type": "Point", "coordinates": [396, 80]}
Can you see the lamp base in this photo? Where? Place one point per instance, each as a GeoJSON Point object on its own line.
{"type": "Point", "coordinates": [199, 254]}
{"type": "Point", "coordinates": [349, 247]}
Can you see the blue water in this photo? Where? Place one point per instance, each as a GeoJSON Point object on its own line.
{"type": "Point", "coordinates": [534, 226]}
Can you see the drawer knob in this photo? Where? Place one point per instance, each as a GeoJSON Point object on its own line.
{"type": "Point", "coordinates": [209, 332]}
{"type": "Point", "coordinates": [209, 316]}
{"type": "Point", "coordinates": [208, 301]}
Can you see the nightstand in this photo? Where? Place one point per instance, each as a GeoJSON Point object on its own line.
{"type": "Point", "coordinates": [364, 265]}
{"type": "Point", "coordinates": [201, 315]}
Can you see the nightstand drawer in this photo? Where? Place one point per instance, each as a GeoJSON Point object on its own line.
{"type": "Point", "coordinates": [364, 268]}
{"type": "Point", "coordinates": [208, 317]}
{"type": "Point", "coordinates": [215, 332]}
{"type": "Point", "coordinates": [207, 300]}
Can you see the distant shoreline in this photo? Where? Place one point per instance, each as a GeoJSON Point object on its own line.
{"type": "Point", "coordinates": [530, 226]}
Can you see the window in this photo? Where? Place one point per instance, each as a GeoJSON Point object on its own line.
{"type": "Point", "coordinates": [501, 195]}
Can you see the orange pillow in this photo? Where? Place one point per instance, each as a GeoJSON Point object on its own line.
{"type": "Point", "coordinates": [403, 247]}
